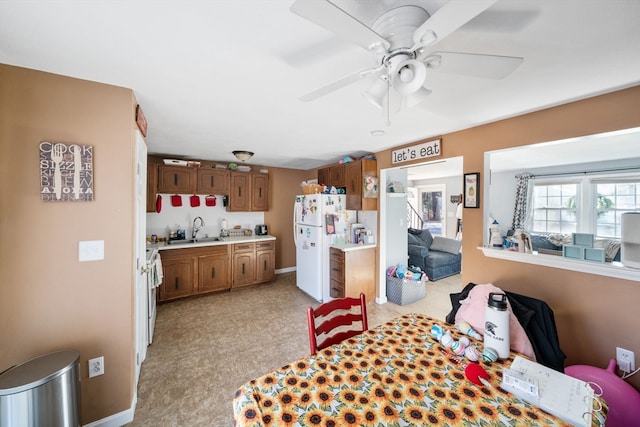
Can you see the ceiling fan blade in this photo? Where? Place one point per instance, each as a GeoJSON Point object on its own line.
{"type": "Point", "coordinates": [336, 20]}
{"type": "Point", "coordinates": [340, 83]}
{"type": "Point", "coordinates": [451, 16]}
{"type": "Point", "coordinates": [473, 64]}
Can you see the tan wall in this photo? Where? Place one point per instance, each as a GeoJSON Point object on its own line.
{"type": "Point", "coordinates": [48, 299]}
{"type": "Point", "coordinates": [594, 314]}
{"type": "Point", "coordinates": [284, 185]}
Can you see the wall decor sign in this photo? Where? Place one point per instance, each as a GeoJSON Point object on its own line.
{"type": "Point", "coordinates": [416, 152]}
{"type": "Point", "coordinates": [66, 172]}
{"type": "Point", "coordinates": [141, 120]}
{"type": "Point", "coordinates": [472, 190]}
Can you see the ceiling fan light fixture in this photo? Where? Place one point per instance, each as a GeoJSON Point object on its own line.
{"type": "Point", "coordinates": [377, 93]}
{"type": "Point", "coordinates": [243, 155]}
{"type": "Point", "coordinates": [410, 77]}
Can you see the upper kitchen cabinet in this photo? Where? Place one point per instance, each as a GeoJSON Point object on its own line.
{"type": "Point", "coordinates": [152, 186]}
{"type": "Point", "coordinates": [176, 179]}
{"type": "Point", "coordinates": [354, 174]}
{"type": "Point", "coordinates": [213, 181]}
{"type": "Point", "coordinates": [248, 192]}
{"type": "Point", "coordinates": [259, 192]}
{"type": "Point", "coordinates": [332, 175]}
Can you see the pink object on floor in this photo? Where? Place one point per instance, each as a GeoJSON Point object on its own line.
{"type": "Point", "coordinates": [622, 398]}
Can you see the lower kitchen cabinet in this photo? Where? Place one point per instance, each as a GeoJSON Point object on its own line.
{"type": "Point", "coordinates": [253, 262]}
{"type": "Point", "coordinates": [194, 271]}
{"type": "Point", "coordinates": [352, 272]}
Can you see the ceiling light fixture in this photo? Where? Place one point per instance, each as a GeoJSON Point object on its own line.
{"type": "Point", "coordinates": [243, 155]}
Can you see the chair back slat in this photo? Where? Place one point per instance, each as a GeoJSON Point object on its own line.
{"type": "Point", "coordinates": [335, 321]}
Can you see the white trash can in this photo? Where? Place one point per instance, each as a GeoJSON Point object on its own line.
{"type": "Point", "coordinates": [43, 391]}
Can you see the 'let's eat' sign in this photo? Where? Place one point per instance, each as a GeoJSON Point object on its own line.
{"type": "Point", "coordinates": [416, 152]}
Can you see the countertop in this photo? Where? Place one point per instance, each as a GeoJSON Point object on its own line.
{"type": "Point", "coordinates": [223, 241]}
{"type": "Point", "coordinates": [346, 247]}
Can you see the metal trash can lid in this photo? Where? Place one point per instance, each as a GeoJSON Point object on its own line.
{"type": "Point", "coordinates": [37, 371]}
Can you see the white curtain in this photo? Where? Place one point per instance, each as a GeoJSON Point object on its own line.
{"type": "Point", "coordinates": [522, 213]}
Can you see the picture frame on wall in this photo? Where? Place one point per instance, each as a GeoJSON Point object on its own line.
{"type": "Point", "coordinates": [472, 190]}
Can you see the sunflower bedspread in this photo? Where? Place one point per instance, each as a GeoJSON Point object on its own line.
{"type": "Point", "coordinates": [392, 375]}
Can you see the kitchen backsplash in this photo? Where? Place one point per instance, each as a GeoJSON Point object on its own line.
{"type": "Point", "coordinates": [170, 216]}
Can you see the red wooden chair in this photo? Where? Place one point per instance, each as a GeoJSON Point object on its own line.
{"type": "Point", "coordinates": [337, 321]}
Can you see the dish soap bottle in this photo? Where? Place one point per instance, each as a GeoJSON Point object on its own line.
{"type": "Point", "coordinates": [496, 324]}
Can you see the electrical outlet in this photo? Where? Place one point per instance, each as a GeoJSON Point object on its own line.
{"type": "Point", "coordinates": [96, 366]}
{"type": "Point", "coordinates": [625, 359]}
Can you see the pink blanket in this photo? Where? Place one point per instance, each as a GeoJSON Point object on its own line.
{"type": "Point", "coordinates": [472, 311]}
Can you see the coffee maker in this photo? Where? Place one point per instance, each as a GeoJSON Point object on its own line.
{"type": "Point", "coordinates": [261, 230]}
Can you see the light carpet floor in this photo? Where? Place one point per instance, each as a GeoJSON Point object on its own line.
{"type": "Point", "coordinates": [205, 348]}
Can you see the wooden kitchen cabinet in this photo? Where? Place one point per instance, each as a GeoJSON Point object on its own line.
{"type": "Point", "coordinates": [259, 192]}
{"type": "Point", "coordinates": [265, 261]}
{"type": "Point", "coordinates": [212, 181]}
{"type": "Point", "coordinates": [214, 270]}
{"type": "Point", "coordinates": [178, 277]}
{"type": "Point", "coordinates": [244, 261]}
{"type": "Point", "coordinates": [193, 271]}
{"type": "Point", "coordinates": [355, 172]}
{"type": "Point", "coordinates": [352, 272]}
{"type": "Point", "coordinates": [332, 175]}
{"type": "Point", "coordinates": [152, 186]}
{"type": "Point", "coordinates": [253, 263]}
{"type": "Point", "coordinates": [176, 179]}
{"type": "Point", "coordinates": [248, 192]}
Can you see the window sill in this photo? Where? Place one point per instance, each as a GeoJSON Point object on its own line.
{"type": "Point", "coordinates": [613, 269]}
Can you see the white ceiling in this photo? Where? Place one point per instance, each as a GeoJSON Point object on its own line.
{"type": "Point", "coordinates": [217, 75]}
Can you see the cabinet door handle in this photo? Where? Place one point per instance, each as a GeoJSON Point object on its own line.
{"type": "Point", "coordinates": [213, 272]}
{"type": "Point", "coordinates": [177, 283]}
{"type": "Point", "coordinates": [265, 265]}
{"type": "Point", "coordinates": [212, 180]}
{"type": "Point", "coordinates": [239, 191]}
{"type": "Point", "coordinates": [243, 268]}
{"type": "Point", "coordinates": [175, 179]}
{"type": "Point", "coordinates": [260, 192]}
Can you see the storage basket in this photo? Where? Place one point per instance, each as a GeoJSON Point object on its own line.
{"type": "Point", "coordinates": [312, 189]}
{"type": "Point", "coordinates": [404, 291]}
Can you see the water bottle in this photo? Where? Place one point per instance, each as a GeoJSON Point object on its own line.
{"type": "Point", "coordinates": [496, 324]}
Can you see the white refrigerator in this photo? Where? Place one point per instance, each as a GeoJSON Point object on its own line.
{"type": "Point", "coordinates": [319, 220]}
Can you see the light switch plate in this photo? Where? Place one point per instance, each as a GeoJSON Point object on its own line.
{"type": "Point", "coordinates": [91, 250]}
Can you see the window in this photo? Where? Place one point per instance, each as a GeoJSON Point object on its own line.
{"type": "Point", "coordinates": [555, 208]}
{"type": "Point", "coordinates": [589, 206]}
{"type": "Point", "coordinates": [612, 200]}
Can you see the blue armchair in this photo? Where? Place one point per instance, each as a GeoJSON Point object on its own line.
{"type": "Point", "coordinates": [438, 257]}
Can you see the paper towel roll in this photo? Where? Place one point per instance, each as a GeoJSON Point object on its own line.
{"type": "Point", "coordinates": [224, 224]}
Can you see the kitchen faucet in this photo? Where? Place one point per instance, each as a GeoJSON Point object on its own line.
{"type": "Point", "coordinates": [196, 229]}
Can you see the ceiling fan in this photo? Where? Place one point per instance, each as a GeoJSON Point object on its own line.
{"type": "Point", "coordinates": [398, 40]}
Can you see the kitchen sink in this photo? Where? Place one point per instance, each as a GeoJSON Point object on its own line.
{"type": "Point", "coordinates": [188, 241]}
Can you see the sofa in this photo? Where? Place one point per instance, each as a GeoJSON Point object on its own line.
{"type": "Point", "coordinates": [437, 256]}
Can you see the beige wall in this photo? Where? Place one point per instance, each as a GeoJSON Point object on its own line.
{"type": "Point", "coordinates": [594, 314]}
{"type": "Point", "coordinates": [48, 300]}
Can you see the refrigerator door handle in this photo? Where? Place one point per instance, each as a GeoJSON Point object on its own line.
{"type": "Point", "coordinates": [295, 220]}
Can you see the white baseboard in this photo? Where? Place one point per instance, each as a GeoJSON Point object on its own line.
{"type": "Point", "coordinates": [116, 420]}
{"type": "Point", "coordinates": [285, 270]}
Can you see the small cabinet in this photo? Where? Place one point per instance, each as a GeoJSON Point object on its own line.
{"type": "Point", "coordinates": [332, 175]}
{"type": "Point", "coordinates": [248, 192]}
{"type": "Point", "coordinates": [244, 259]}
{"type": "Point", "coordinates": [212, 181]}
{"type": "Point", "coordinates": [152, 186]}
{"type": "Point", "coordinates": [178, 275]}
{"type": "Point", "coordinates": [355, 172]}
{"type": "Point", "coordinates": [351, 272]}
{"type": "Point", "coordinates": [265, 261]}
{"type": "Point", "coordinates": [253, 262]}
{"type": "Point", "coordinates": [214, 269]}
{"type": "Point", "coordinates": [176, 179]}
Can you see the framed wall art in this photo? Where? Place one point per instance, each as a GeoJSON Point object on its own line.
{"type": "Point", "coordinates": [472, 190]}
{"type": "Point", "coordinates": [66, 172]}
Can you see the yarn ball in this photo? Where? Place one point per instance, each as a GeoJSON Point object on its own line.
{"type": "Point", "coordinates": [458, 348]}
{"type": "Point", "coordinates": [465, 341]}
{"type": "Point", "coordinates": [437, 332]}
{"type": "Point", "coordinates": [467, 329]}
{"type": "Point", "coordinates": [446, 340]}
{"type": "Point", "coordinates": [472, 353]}
{"type": "Point", "coordinates": [489, 354]}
